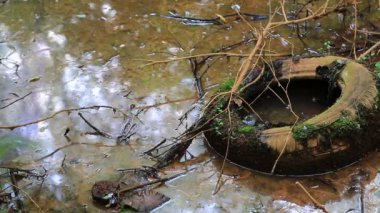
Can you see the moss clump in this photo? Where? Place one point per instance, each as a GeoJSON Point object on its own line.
{"type": "Point", "coordinates": [302, 132]}
{"type": "Point", "coordinates": [226, 86]}
{"type": "Point", "coordinates": [246, 129]}
{"type": "Point", "coordinates": [218, 126]}
{"type": "Point", "coordinates": [377, 76]}
{"type": "Point", "coordinates": [344, 126]}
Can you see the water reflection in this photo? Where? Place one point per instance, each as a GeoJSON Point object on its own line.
{"type": "Point", "coordinates": [84, 51]}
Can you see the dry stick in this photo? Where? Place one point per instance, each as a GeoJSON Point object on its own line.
{"type": "Point", "coordinates": [262, 92]}
{"type": "Point", "coordinates": [104, 134]}
{"type": "Point", "coordinates": [172, 154]}
{"type": "Point", "coordinates": [320, 12]}
{"type": "Point", "coordinates": [68, 145]}
{"type": "Point", "coordinates": [161, 180]}
{"type": "Point", "coordinates": [11, 127]}
{"type": "Point", "coordinates": [242, 72]}
{"type": "Point", "coordinates": [245, 67]}
{"type": "Point", "coordinates": [316, 203]}
{"type": "Point", "coordinates": [277, 95]}
{"type": "Point", "coordinates": [29, 197]}
{"type": "Point", "coordinates": [218, 184]}
{"type": "Point", "coordinates": [254, 81]}
{"type": "Point", "coordinates": [164, 103]}
{"type": "Point", "coordinates": [368, 32]}
{"type": "Point", "coordinates": [20, 204]}
{"type": "Point", "coordinates": [149, 152]}
{"type": "Point", "coordinates": [249, 106]}
{"type": "Point", "coordinates": [291, 110]}
{"type": "Point", "coordinates": [282, 2]}
{"type": "Point", "coordinates": [356, 28]}
{"type": "Point", "coordinates": [368, 51]}
{"type": "Point", "coordinates": [152, 62]}
{"type": "Point", "coordinates": [3, 107]}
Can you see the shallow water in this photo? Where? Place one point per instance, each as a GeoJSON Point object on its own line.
{"type": "Point", "coordinates": [82, 53]}
{"type": "Point", "coordinates": [308, 98]}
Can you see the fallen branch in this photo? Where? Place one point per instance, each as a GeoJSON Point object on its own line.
{"type": "Point", "coordinates": [69, 145]}
{"type": "Point", "coordinates": [153, 62]}
{"type": "Point", "coordinates": [161, 180]}
{"type": "Point", "coordinates": [11, 127]}
{"type": "Point", "coordinates": [363, 55]}
{"type": "Point", "coordinates": [127, 132]}
{"type": "Point", "coordinates": [164, 103]}
{"type": "Point", "coordinates": [19, 99]}
{"type": "Point", "coordinates": [219, 20]}
{"type": "Point", "coordinates": [104, 134]}
{"type": "Point", "coordinates": [29, 197]}
{"type": "Point", "coordinates": [316, 203]}
{"type": "Point", "coordinates": [20, 204]}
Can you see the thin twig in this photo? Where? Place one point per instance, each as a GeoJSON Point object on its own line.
{"type": "Point", "coordinates": [368, 51]}
{"type": "Point", "coordinates": [355, 28]}
{"type": "Point", "coordinates": [218, 184]}
{"type": "Point", "coordinates": [164, 103]}
{"type": "Point", "coordinates": [20, 204]}
{"type": "Point", "coordinates": [11, 127]}
{"type": "Point", "coordinates": [152, 62]}
{"type": "Point", "coordinates": [3, 107]}
{"type": "Point", "coordinates": [316, 203]}
{"type": "Point", "coordinates": [104, 134]}
{"type": "Point", "coordinates": [161, 180]}
{"type": "Point", "coordinates": [29, 197]}
{"type": "Point", "coordinates": [149, 152]}
{"type": "Point", "coordinates": [69, 145]}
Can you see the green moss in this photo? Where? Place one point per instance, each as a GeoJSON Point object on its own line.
{"type": "Point", "coordinates": [218, 126]}
{"type": "Point", "coordinates": [377, 76]}
{"type": "Point", "coordinates": [226, 86]}
{"type": "Point", "coordinates": [246, 129]}
{"type": "Point", "coordinates": [377, 65]}
{"type": "Point", "coordinates": [344, 126]}
{"type": "Point", "coordinates": [302, 132]}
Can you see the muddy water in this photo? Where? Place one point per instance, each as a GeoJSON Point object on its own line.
{"type": "Point", "coordinates": [72, 54]}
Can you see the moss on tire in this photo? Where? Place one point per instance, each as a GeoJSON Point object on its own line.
{"type": "Point", "coordinates": [326, 142]}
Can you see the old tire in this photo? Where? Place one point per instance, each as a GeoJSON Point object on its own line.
{"type": "Point", "coordinates": [321, 149]}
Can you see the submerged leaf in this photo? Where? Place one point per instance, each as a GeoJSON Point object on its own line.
{"type": "Point", "coordinates": [145, 201]}
{"type": "Point", "coordinates": [34, 79]}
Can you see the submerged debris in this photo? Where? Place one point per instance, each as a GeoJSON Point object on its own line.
{"type": "Point", "coordinates": [219, 20]}
{"type": "Point", "coordinates": [132, 191]}
{"type": "Point", "coordinates": [144, 201]}
{"type": "Point", "coordinates": [105, 192]}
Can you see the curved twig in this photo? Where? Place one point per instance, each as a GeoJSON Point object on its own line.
{"type": "Point", "coordinates": [11, 127]}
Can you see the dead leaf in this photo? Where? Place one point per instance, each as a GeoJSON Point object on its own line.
{"type": "Point", "coordinates": [145, 201]}
{"type": "Point", "coordinates": [34, 79]}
